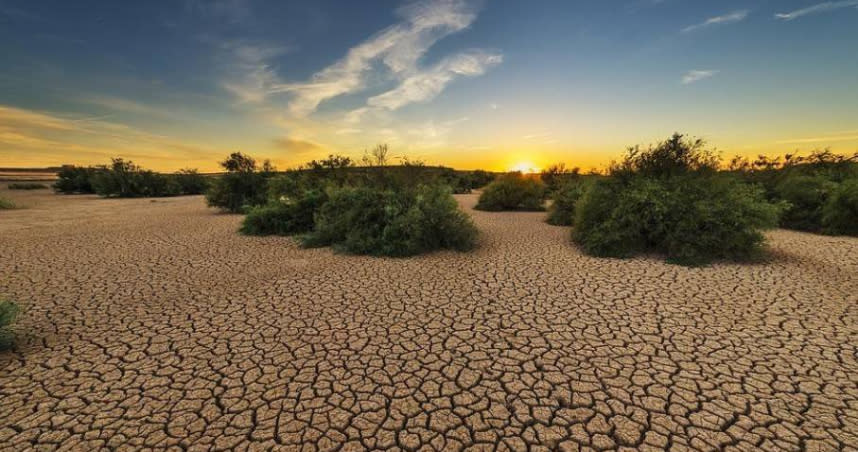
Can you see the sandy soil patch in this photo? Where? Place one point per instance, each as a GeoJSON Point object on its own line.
{"type": "Point", "coordinates": [155, 325]}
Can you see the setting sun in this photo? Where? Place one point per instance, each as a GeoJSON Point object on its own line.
{"type": "Point", "coordinates": [524, 167]}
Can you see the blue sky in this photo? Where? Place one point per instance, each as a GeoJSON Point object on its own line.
{"type": "Point", "coordinates": [468, 84]}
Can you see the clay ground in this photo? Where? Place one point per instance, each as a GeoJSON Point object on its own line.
{"type": "Point", "coordinates": [153, 324]}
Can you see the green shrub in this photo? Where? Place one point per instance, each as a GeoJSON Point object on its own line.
{"type": "Point", "coordinates": [670, 200]}
{"type": "Point", "coordinates": [285, 216]}
{"type": "Point", "coordinates": [242, 187]}
{"type": "Point", "coordinates": [565, 197]}
{"type": "Point", "coordinates": [6, 204]}
{"type": "Point", "coordinates": [611, 218]}
{"type": "Point", "coordinates": [75, 179]}
{"type": "Point", "coordinates": [558, 175]}
{"type": "Point", "coordinates": [513, 191]}
{"type": "Point", "coordinates": [692, 220]}
{"type": "Point", "coordinates": [8, 313]}
{"type": "Point", "coordinates": [481, 178]}
{"type": "Point", "coordinates": [840, 214]}
{"type": "Point", "coordinates": [123, 179]}
{"type": "Point", "coordinates": [806, 195]}
{"type": "Point", "coordinates": [369, 220]}
{"type": "Point", "coordinates": [191, 182]}
{"type": "Point", "coordinates": [27, 186]}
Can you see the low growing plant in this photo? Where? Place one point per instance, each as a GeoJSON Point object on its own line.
{"type": "Point", "coordinates": [840, 213]}
{"type": "Point", "coordinates": [669, 199]}
{"type": "Point", "coordinates": [284, 216]}
{"type": "Point", "coordinates": [806, 195]}
{"type": "Point", "coordinates": [8, 313]}
{"type": "Point", "coordinates": [563, 202]}
{"type": "Point", "coordinates": [75, 180]}
{"type": "Point", "coordinates": [6, 204]}
{"type": "Point", "coordinates": [242, 187]}
{"type": "Point", "coordinates": [382, 222]}
{"type": "Point", "coordinates": [513, 191]}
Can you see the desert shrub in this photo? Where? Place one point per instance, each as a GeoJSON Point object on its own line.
{"type": "Point", "coordinates": [8, 313]}
{"type": "Point", "coordinates": [124, 179]}
{"type": "Point", "coordinates": [6, 204]}
{"type": "Point", "coordinates": [191, 182]}
{"type": "Point", "coordinates": [242, 187]}
{"type": "Point", "coordinates": [513, 191]}
{"type": "Point", "coordinates": [27, 186]}
{"type": "Point", "coordinates": [563, 201]}
{"type": "Point", "coordinates": [381, 222]}
{"type": "Point", "coordinates": [558, 175]}
{"type": "Point", "coordinates": [284, 216]}
{"type": "Point", "coordinates": [840, 213]}
{"type": "Point", "coordinates": [75, 179]}
{"type": "Point", "coordinates": [481, 178]}
{"type": "Point", "coordinates": [669, 199]}
{"type": "Point", "coordinates": [806, 195]}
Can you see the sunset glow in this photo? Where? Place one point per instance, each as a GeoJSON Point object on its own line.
{"type": "Point", "coordinates": [181, 84]}
{"type": "Point", "coordinates": [525, 167]}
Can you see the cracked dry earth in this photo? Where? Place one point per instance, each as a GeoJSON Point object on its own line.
{"type": "Point", "coordinates": [154, 325]}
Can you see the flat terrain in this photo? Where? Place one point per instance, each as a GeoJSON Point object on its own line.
{"type": "Point", "coordinates": [153, 324]}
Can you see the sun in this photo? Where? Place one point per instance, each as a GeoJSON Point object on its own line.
{"type": "Point", "coordinates": [525, 168]}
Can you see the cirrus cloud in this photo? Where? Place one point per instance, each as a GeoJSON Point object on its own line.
{"type": "Point", "coordinates": [697, 75]}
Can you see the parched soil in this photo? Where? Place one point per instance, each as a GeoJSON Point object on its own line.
{"type": "Point", "coordinates": [153, 324]}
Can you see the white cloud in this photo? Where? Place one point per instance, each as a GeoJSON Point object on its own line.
{"type": "Point", "coordinates": [251, 76]}
{"type": "Point", "coordinates": [735, 16]}
{"type": "Point", "coordinates": [398, 49]}
{"type": "Point", "coordinates": [818, 8]}
{"type": "Point", "coordinates": [696, 76]}
{"type": "Point", "coordinates": [424, 85]}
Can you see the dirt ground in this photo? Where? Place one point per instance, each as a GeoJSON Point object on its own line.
{"type": "Point", "coordinates": [151, 324]}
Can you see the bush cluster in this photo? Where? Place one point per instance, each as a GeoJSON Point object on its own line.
{"type": "Point", "coordinates": [565, 197]}
{"type": "Point", "coordinates": [840, 213]}
{"type": "Point", "coordinates": [557, 176]}
{"type": "Point", "coordinates": [670, 199]}
{"type": "Point", "coordinates": [815, 189]}
{"type": "Point", "coordinates": [284, 215]}
{"type": "Point", "coordinates": [368, 220]}
{"type": "Point", "coordinates": [242, 187]}
{"type": "Point", "coordinates": [75, 179]}
{"type": "Point", "coordinates": [27, 186]}
{"type": "Point", "coordinates": [513, 191]}
{"type": "Point", "coordinates": [8, 313]}
{"type": "Point", "coordinates": [124, 179]}
{"type": "Point", "coordinates": [6, 204]}
{"type": "Point", "coordinates": [378, 210]}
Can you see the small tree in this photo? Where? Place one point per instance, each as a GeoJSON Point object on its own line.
{"type": "Point", "coordinates": [239, 163]}
{"type": "Point", "coordinates": [242, 187]}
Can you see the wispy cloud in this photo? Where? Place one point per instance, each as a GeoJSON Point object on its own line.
{"type": "Point", "coordinates": [735, 16]}
{"type": "Point", "coordinates": [130, 106]}
{"type": "Point", "coordinates": [851, 135]}
{"type": "Point", "coordinates": [697, 75]}
{"type": "Point", "coordinates": [818, 8]}
{"type": "Point", "coordinates": [252, 75]}
{"type": "Point", "coordinates": [396, 50]}
{"type": "Point", "coordinates": [426, 84]}
{"type": "Point", "coordinates": [297, 145]}
{"type": "Point", "coordinates": [399, 47]}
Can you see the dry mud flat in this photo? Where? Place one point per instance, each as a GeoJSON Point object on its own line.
{"type": "Point", "coordinates": [154, 325]}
